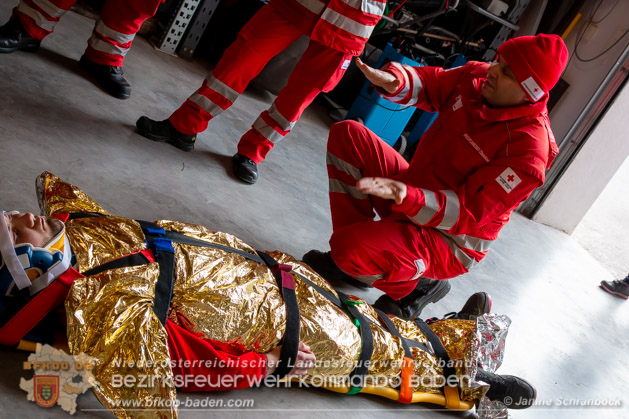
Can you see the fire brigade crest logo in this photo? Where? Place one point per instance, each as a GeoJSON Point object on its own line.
{"type": "Point", "coordinates": [46, 390]}
{"type": "Point", "coordinates": [58, 378]}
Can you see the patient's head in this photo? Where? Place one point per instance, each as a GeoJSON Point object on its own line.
{"type": "Point", "coordinates": [30, 246]}
{"type": "Point", "coordinates": [32, 229]}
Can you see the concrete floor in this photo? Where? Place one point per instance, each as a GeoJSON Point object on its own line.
{"type": "Point", "coordinates": [568, 337]}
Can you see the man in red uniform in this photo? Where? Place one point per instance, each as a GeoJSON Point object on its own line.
{"type": "Point", "coordinates": [486, 152]}
{"type": "Point", "coordinates": [111, 39]}
{"type": "Point", "coordinates": [338, 30]}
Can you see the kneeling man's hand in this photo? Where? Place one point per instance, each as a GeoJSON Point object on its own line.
{"type": "Point", "coordinates": [383, 188]}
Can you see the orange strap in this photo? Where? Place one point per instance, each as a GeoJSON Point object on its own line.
{"type": "Point", "coordinates": [406, 388]}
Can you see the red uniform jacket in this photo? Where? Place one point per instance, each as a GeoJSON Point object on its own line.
{"type": "Point", "coordinates": [475, 164]}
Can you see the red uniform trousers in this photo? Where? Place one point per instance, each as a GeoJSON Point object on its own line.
{"type": "Point", "coordinates": [201, 365]}
{"type": "Point", "coordinates": [113, 33]}
{"type": "Point", "coordinates": [392, 253]}
{"type": "Point", "coordinates": [263, 37]}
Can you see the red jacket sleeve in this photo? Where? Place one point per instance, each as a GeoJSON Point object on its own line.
{"type": "Point", "coordinates": [198, 364]}
{"type": "Point", "coordinates": [427, 88]}
{"type": "Point", "coordinates": [492, 191]}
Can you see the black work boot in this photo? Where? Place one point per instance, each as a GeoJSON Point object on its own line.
{"type": "Point", "coordinates": [411, 306]}
{"type": "Point", "coordinates": [13, 37]}
{"type": "Point", "coordinates": [108, 77]}
{"type": "Point", "coordinates": [322, 263]}
{"type": "Point", "coordinates": [245, 169]}
{"type": "Point", "coordinates": [477, 305]}
{"type": "Point", "coordinates": [514, 392]}
{"type": "Point", "coordinates": [163, 131]}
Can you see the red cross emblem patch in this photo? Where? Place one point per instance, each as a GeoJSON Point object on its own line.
{"type": "Point", "coordinates": [508, 180]}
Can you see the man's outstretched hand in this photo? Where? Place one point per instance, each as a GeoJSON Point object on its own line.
{"type": "Point", "coordinates": [305, 360]}
{"type": "Point", "coordinates": [383, 188]}
{"type": "Point", "coordinates": [379, 78]}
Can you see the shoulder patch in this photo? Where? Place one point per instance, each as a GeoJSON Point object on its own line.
{"type": "Point", "coordinates": [508, 180]}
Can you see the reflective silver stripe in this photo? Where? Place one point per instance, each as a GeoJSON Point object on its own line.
{"type": "Point", "coordinates": [347, 24]}
{"type": "Point", "coordinates": [206, 104]}
{"type": "Point", "coordinates": [368, 6]}
{"type": "Point", "coordinates": [49, 8]}
{"type": "Point", "coordinates": [267, 131]}
{"type": "Point", "coordinates": [430, 208]}
{"type": "Point", "coordinates": [340, 187]}
{"type": "Point", "coordinates": [369, 279]}
{"type": "Point", "coordinates": [417, 84]}
{"type": "Point", "coordinates": [39, 19]}
{"type": "Point", "coordinates": [402, 95]}
{"type": "Point", "coordinates": [472, 243]}
{"type": "Point", "coordinates": [284, 123]}
{"type": "Point", "coordinates": [451, 215]}
{"type": "Point", "coordinates": [466, 260]}
{"type": "Point", "coordinates": [103, 46]}
{"type": "Point", "coordinates": [221, 88]}
{"type": "Point", "coordinates": [107, 32]}
{"type": "Point", "coordinates": [315, 6]}
{"type": "Point", "coordinates": [343, 166]}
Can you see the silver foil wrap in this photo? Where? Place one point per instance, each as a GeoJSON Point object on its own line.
{"type": "Point", "coordinates": [491, 410]}
{"type": "Point", "coordinates": [491, 331]}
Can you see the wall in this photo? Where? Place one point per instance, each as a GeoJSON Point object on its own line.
{"type": "Point", "coordinates": [585, 77]}
{"type": "Point", "coordinates": [607, 147]}
{"type": "Point", "coordinates": [597, 162]}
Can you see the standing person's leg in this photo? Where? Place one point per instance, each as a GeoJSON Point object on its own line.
{"type": "Point", "coordinates": [111, 39]}
{"type": "Point", "coordinates": [115, 29]}
{"type": "Point", "coordinates": [264, 36]}
{"type": "Point", "coordinates": [31, 22]}
{"type": "Point", "coordinates": [319, 70]}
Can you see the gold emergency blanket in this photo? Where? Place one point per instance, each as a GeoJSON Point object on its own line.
{"type": "Point", "coordinates": [224, 297]}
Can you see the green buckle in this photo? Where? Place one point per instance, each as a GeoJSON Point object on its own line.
{"type": "Point", "coordinates": [352, 302]}
{"type": "Point", "coordinates": [354, 390]}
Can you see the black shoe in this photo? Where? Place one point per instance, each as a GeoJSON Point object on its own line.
{"type": "Point", "coordinates": [163, 131]}
{"type": "Point", "coordinates": [618, 287]}
{"type": "Point", "coordinates": [13, 37]}
{"type": "Point", "coordinates": [108, 77]}
{"type": "Point", "coordinates": [245, 169]}
{"type": "Point", "coordinates": [514, 392]}
{"type": "Point", "coordinates": [322, 263]}
{"type": "Point", "coordinates": [477, 305]}
{"type": "Point", "coordinates": [411, 306]}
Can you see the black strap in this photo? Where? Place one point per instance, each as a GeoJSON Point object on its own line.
{"type": "Point", "coordinates": [77, 215]}
{"type": "Point", "coordinates": [440, 350]}
{"type": "Point", "coordinates": [165, 256]}
{"type": "Point", "coordinates": [134, 259]}
{"type": "Point", "coordinates": [393, 330]}
{"type": "Point", "coordinates": [327, 294]}
{"type": "Point", "coordinates": [182, 238]}
{"type": "Point", "coordinates": [357, 377]}
{"type": "Point", "coordinates": [290, 343]}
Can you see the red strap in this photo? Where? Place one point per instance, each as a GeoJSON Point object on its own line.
{"type": "Point", "coordinates": [62, 216]}
{"type": "Point", "coordinates": [37, 308]}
